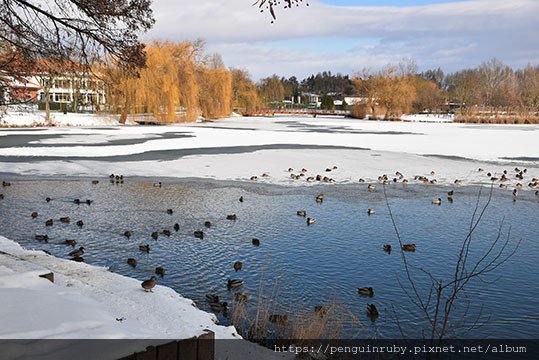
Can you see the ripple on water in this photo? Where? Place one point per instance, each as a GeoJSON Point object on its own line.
{"type": "Point", "coordinates": [299, 264]}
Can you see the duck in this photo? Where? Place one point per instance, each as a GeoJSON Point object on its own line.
{"type": "Point", "coordinates": [77, 252]}
{"type": "Point", "coordinates": [361, 180]}
{"type": "Point", "coordinates": [290, 169]}
{"type": "Point", "coordinates": [219, 307]}
{"type": "Point", "coordinates": [234, 283]}
{"type": "Point", "coordinates": [167, 232]}
{"type": "Point", "coordinates": [111, 176]}
{"type": "Point", "coordinates": [34, 214]}
{"type": "Point", "coordinates": [48, 199]}
{"type": "Point", "coordinates": [207, 224]}
{"type": "Point", "coordinates": [158, 184]}
{"type": "Point", "coordinates": [310, 221]}
{"type": "Point", "coordinates": [255, 242]}
{"type": "Point", "coordinates": [405, 182]}
{"type": "Point", "coordinates": [240, 297]}
{"type": "Point", "coordinates": [148, 285]}
{"type": "Point", "coordinates": [303, 170]}
{"type": "Point", "coordinates": [372, 311]}
{"type": "Point", "coordinates": [408, 247]}
{"type": "Point", "coordinates": [320, 198]}
{"type": "Point", "coordinates": [387, 248]}
{"type": "Point", "coordinates": [238, 265]}
{"type": "Point", "coordinates": [65, 219]}
{"type": "Point", "coordinates": [321, 310]}
{"type": "Point", "coordinates": [437, 201]}
{"type": "Point", "coordinates": [241, 198]}
{"type": "Point", "coordinates": [253, 178]}
{"type": "Point", "coordinates": [318, 177]}
{"type": "Point", "coordinates": [371, 212]}
{"type": "Point", "coordinates": [145, 248]}
{"type": "Point", "coordinates": [77, 201]}
{"type": "Point", "coordinates": [328, 169]}
{"type": "Point", "coordinates": [457, 182]}
{"type": "Point", "coordinates": [70, 242]}
{"type": "Point", "coordinates": [265, 174]}
{"type": "Point", "coordinates": [128, 234]}
{"type": "Point", "coordinates": [450, 193]}
{"type": "Point", "coordinates": [80, 223]}
{"type": "Point", "coordinates": [515, 192]}
{"type": "Point", "coordinates": [231, 217]}
{"type": "Point", "coordinates": [176, 226]}
{"type": "Point", "coordinates": [89, 202]}
{"type": "Point", "coordinates": [42, 237]}
{"type": "Point", "coordinates": [302, 213]}
{"type": "Point", "coordinates": [170, 211]}
{"type": "Point", "coordinates": [199, 234]}
{"type": "Point", "coordinates": [212, 298]}
{"type": "Point", "coordinates": [49, 222]}
{"type": "Point", "coordinates": [310, 179]}
{"type": "Point", "coordinates": [160, 271]}
{"type": "Point", "coordinates": [371, 187]}
{"type": "Point", "coordinates": [367, 291]}
{"type": "Point", "coordinates": [132, 262]}
{"type": "Point", "coordinates": [95, 182]}
{"type": "Point", "coordinates": [278, 319]}
{"type": "Point", "coordinates": [155, 235]}
{"type": "Point", "coordinates": [5, 183]}
{"type": "Point", "coordinates": [480, 169]}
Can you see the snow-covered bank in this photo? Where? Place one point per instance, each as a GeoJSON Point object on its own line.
{"type": "Point", "coordinates": [13, 118]}
{"type": "Point", "coordinates": [238, 148]}
{"type": "Point", "coordinates": [88, 302]}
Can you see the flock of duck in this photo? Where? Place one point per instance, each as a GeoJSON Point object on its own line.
{"type": "Point", "coordinates": [233, 284]}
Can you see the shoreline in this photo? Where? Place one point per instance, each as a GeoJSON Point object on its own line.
{"type": "Point", "coordinates": [115, 306]}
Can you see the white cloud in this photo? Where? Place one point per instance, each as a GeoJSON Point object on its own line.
{"type": "Point", "coordinates": [451, 35]}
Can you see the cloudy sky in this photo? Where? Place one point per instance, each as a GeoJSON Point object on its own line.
{"type": "Point", "coordinates": [346, 35]}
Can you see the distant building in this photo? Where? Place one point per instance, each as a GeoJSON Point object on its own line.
{"type": "Point", "coordinates": [65, 90]}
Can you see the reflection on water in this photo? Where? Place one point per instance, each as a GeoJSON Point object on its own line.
{"type": "Point", "coordinates": [302, 265]}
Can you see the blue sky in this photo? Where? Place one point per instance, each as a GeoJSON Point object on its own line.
{"type": "Point", "coordinates": [346, 36]}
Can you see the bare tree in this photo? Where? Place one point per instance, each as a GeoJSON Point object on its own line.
{"type": "Point", "coordinates": [79, 30]}
{"type": "Point", "coordinates": [270, 5]}
{"type": "Point", "coordinates": [438, 304]}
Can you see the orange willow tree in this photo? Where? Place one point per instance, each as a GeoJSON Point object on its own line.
{"type": "Point", "coordinates": [178, 83]}
{"type": "Point", "coordinates": [215, 94]}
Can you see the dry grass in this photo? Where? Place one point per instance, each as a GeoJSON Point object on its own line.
{"type": "Point", "coordinates": [493, 116]}
{"type": "Point", "coordinates": [253, 322]}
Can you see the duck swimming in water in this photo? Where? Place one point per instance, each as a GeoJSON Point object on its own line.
{"type": "Point", "coordinates": [302, 213]}
{"type": "Point", "coordinates": [372, 311]}
{"type": "Point", "coordinates": [367, 291]}
{"type": "Point", "coordinates": [408, 247]}
{"type": "Point", "coordinates": [78, 252]}
{"type": "Point", "coordinates": [310, 221]}
{"type": "Point", "coordinates": [238, 265]}
{"type": "Point", "coordinates": [234, 283]}
{"type": "Point", "coordinates": [132, 262]}
{"type": "Point", "coordinates": [145, 248]}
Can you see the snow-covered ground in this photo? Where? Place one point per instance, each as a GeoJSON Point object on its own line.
{"type": "Point", "coordinates": [13, 118]}
{"type": "Point", "coordinates": [89, 302]}
{"type": "Point", "coordinates": [237, 148]}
